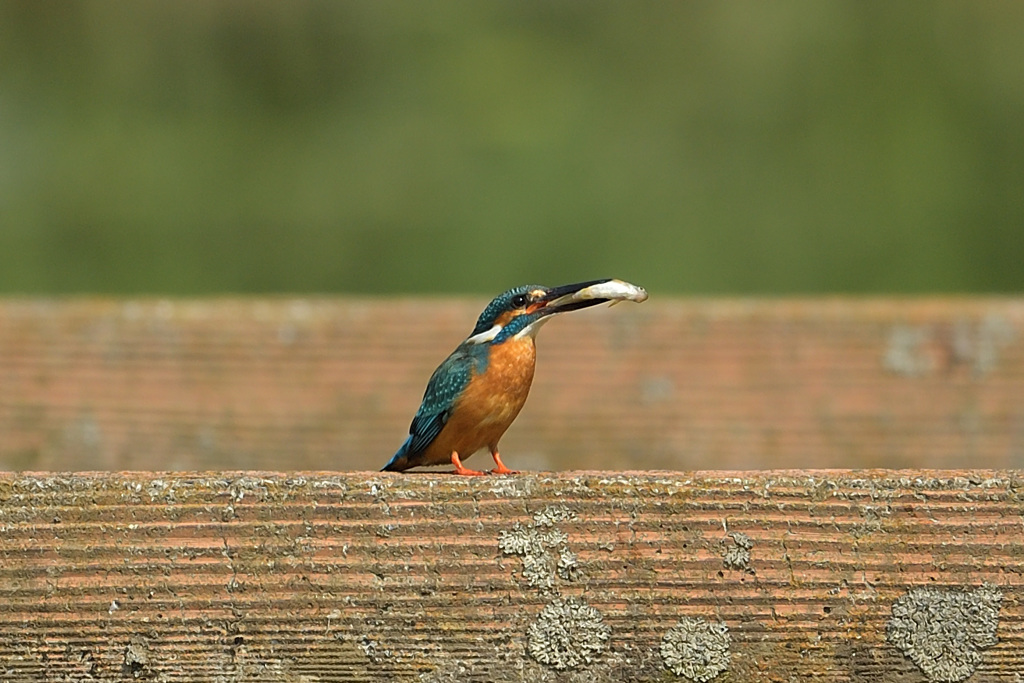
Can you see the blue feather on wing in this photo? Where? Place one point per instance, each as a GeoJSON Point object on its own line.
{"type": "Point", "coordinates": [443, 390]}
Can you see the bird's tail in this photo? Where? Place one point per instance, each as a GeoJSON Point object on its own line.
{"type": "Point", "coordinates": [399, 461]}
{"type": "Point", "coordinates": [396, 464]}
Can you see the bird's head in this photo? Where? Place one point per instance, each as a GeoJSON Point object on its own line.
{"type": "Point", "coordinates": [521, 311]}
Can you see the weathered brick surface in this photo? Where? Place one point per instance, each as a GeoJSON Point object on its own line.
{"type": "Point", "coordinates": [677, 384]}
{"type": "Point", "coordinates": [776, 576]}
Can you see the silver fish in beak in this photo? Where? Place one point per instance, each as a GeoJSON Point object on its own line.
{"type": "Point", "coordinates": [584, 294]}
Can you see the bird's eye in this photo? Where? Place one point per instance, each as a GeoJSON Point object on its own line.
{"type": "Point", "coordinates": [519, 301]}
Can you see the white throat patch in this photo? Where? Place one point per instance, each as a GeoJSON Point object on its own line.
{"type": "Point", "coordinates": [485, 336]}
{"type": "Point", "coordinates": [532, 329]}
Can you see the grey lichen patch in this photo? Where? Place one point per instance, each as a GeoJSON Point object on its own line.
{"type": "Point", "coordinates": [736, 555]}
{"type": "Point", "coordinates": [512, 487]}
{"type": "Point", "coordinates": [543, 548]}
{"type": "Point", "coordinates": [136, 657]}
{"type": "Point", "coordinates": [535, 547]}
{"type": "Point", "coordinates": [872, 516]}
{"type": "Point", "coordinates": [568, 567]}
{"type": "Point", "coordinates": [906, 352]}
{"type": "Point", "coordinates": [373, 650]}
{"type": "Point", "coordinates": [977, 345]}
{"type": "Point", "coordinates": [261, 668]}
{"type": "Point", "coordinates": [568, 633]}
{"type": "Point", "coordinates": [696, 648]}
{"type": "Point", "coordinates": [981, 345]}
{"type": "Point", "coordinates": [254, 488]}
{"type": "Point", "coordinates": [162, 490]}
{"type": "Point", "coordinates": [944, 630]}
{"type": "Point", "coordinates": [553, 514]}
{"type": "Point", "coordinates": [379, 491]}
{"type": "Point", "coordinates": [448, 672]}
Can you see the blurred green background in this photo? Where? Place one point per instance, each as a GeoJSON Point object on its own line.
{"type": "Point", "coordinates": [213, 146]}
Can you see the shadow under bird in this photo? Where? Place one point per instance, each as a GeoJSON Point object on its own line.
{"type": "Point", "coordinates": [477, 392]}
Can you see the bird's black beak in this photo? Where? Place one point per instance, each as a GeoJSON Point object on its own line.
{"type": "Point", "coordinates": [568, 298]}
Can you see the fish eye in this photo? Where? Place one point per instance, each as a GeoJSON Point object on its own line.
{"type": "Point", "coordinates": [519, 301]}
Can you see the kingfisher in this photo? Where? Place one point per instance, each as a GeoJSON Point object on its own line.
{"type": "Point", "coordinates": [477, 392]}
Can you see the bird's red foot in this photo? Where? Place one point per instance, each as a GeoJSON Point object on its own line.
{"type": "Point", "coordinates": [500, 466]}
{"type": "Point", "coordinates": [465, 471]}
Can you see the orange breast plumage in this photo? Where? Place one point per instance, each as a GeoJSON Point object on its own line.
{"type": "Point", "coordinates": [490, 403]}
{"type": "Point", "coordinates": [497, 395]}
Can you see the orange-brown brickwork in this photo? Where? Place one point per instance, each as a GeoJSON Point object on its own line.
{"type": "Point", "coordinates": [671, 384]}
{"type": "Point", "coordinates": [880, 576]}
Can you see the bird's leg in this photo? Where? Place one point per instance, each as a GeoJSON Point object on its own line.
{"type": "Point", "coordinates": [459, 469]}
{"type": "Point", "coordinates": [500, 466]}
